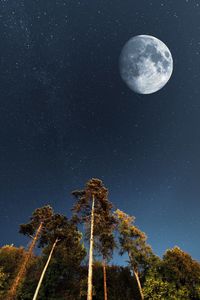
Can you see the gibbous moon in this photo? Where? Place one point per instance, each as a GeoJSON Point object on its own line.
{"type": "Point", "coordinates": [146, 64]}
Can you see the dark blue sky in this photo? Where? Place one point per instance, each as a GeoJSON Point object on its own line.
{"type": "Point", "coordinates": [66, 115]}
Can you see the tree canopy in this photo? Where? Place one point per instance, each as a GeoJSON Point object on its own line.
{"type": "Point", "coordinates": [146, 276]}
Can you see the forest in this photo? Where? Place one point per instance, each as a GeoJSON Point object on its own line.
{"type": "Point", "coordinates": [71, 258]}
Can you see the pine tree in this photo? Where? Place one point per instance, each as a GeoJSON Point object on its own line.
{"type": "Point", "coordinates": [44, 270]}
{"type": "Point", "coordinates": [12, 293]}
{"type": "Point", "coordinates": [133, 241]}
{"type": "Point", "coordinates": [91, 207]}
{"type": "Point", "coordinates": [105, 241]}
{"type": "Point", "coordinates": [32, 229]}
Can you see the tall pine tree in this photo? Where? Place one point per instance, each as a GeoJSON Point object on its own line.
{"type": "Point", "coordinates": [92, 208]}
{"type": "Point", "coordinates": [133, 242]}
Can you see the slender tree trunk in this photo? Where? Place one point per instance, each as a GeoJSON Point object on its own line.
{"type": "Point", "coordinates": [104, 280]}
{"type": "Point", "coordinates": [44, 271]}
{"type": "Point", "coordinates": [22, 271]}
{"type": "Point", "coordinates": [89, 294]}
{"type": "Point", "coordinates": [138, 282]}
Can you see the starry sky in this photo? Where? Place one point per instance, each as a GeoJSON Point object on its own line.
{"type": "Point", "coordinates": [66, 115]}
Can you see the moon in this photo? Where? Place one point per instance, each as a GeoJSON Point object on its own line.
{"type": "Point", "coordinates": [146, 64]}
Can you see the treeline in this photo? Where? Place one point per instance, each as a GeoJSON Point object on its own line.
{"type": "Point", "coordinates": [64, 269]}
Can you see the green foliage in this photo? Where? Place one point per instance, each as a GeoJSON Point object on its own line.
{"type": "Point", "coordinates": [40, 215]}
{"type": "Point", "coordinates": [121, 284]}
{"type": "Point", "coordinates": [104, 234]}
{"type": "Point", "coordinates": [101, 219]}
{"type": "Point", "coordinates": [104, 220]}
{"type": "Point", "coordinates": [175, 277]}
{"type": "Point", "coordinates": [133, 241]}
{"type": "Point", "coordinates": [27, 289]}
{"type": "Point", "coordinates": [63, 276]}
{"type": "Point", "coordinates": [10, 260]}
{"type": "Point", "coordinates": [82, 208]}
{"type": "Point", "coordinates": [179, 267]}
{"type": "Point", "coordinates": [63, 272]}
{"type": "Point", "coordinates": [155, 288]}
{"type": "Point", "coordinates": [3, 279]}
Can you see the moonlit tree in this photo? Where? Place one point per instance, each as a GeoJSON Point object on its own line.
{"type": "Point", "coordinates": [133, 242]}
{"type": "Point", "coordinates": [91, 208]}
{"type": "Point", "coordinates": [33, 229]}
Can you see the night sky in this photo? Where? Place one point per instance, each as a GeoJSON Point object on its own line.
{"type": "Point", "coordinates": [66, 115]}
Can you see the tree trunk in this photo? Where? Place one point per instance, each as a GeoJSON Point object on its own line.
{"type": "Point", "coordinates": [44, 271]}
{"type": "Point", "coordinates": [139, 284]}
{"type": "Point", "coordinates": [89, 294]}
{"type": "Point", "coordinates": [13, 290]}
{"type": "Point", "coordinates": [104, 280]}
